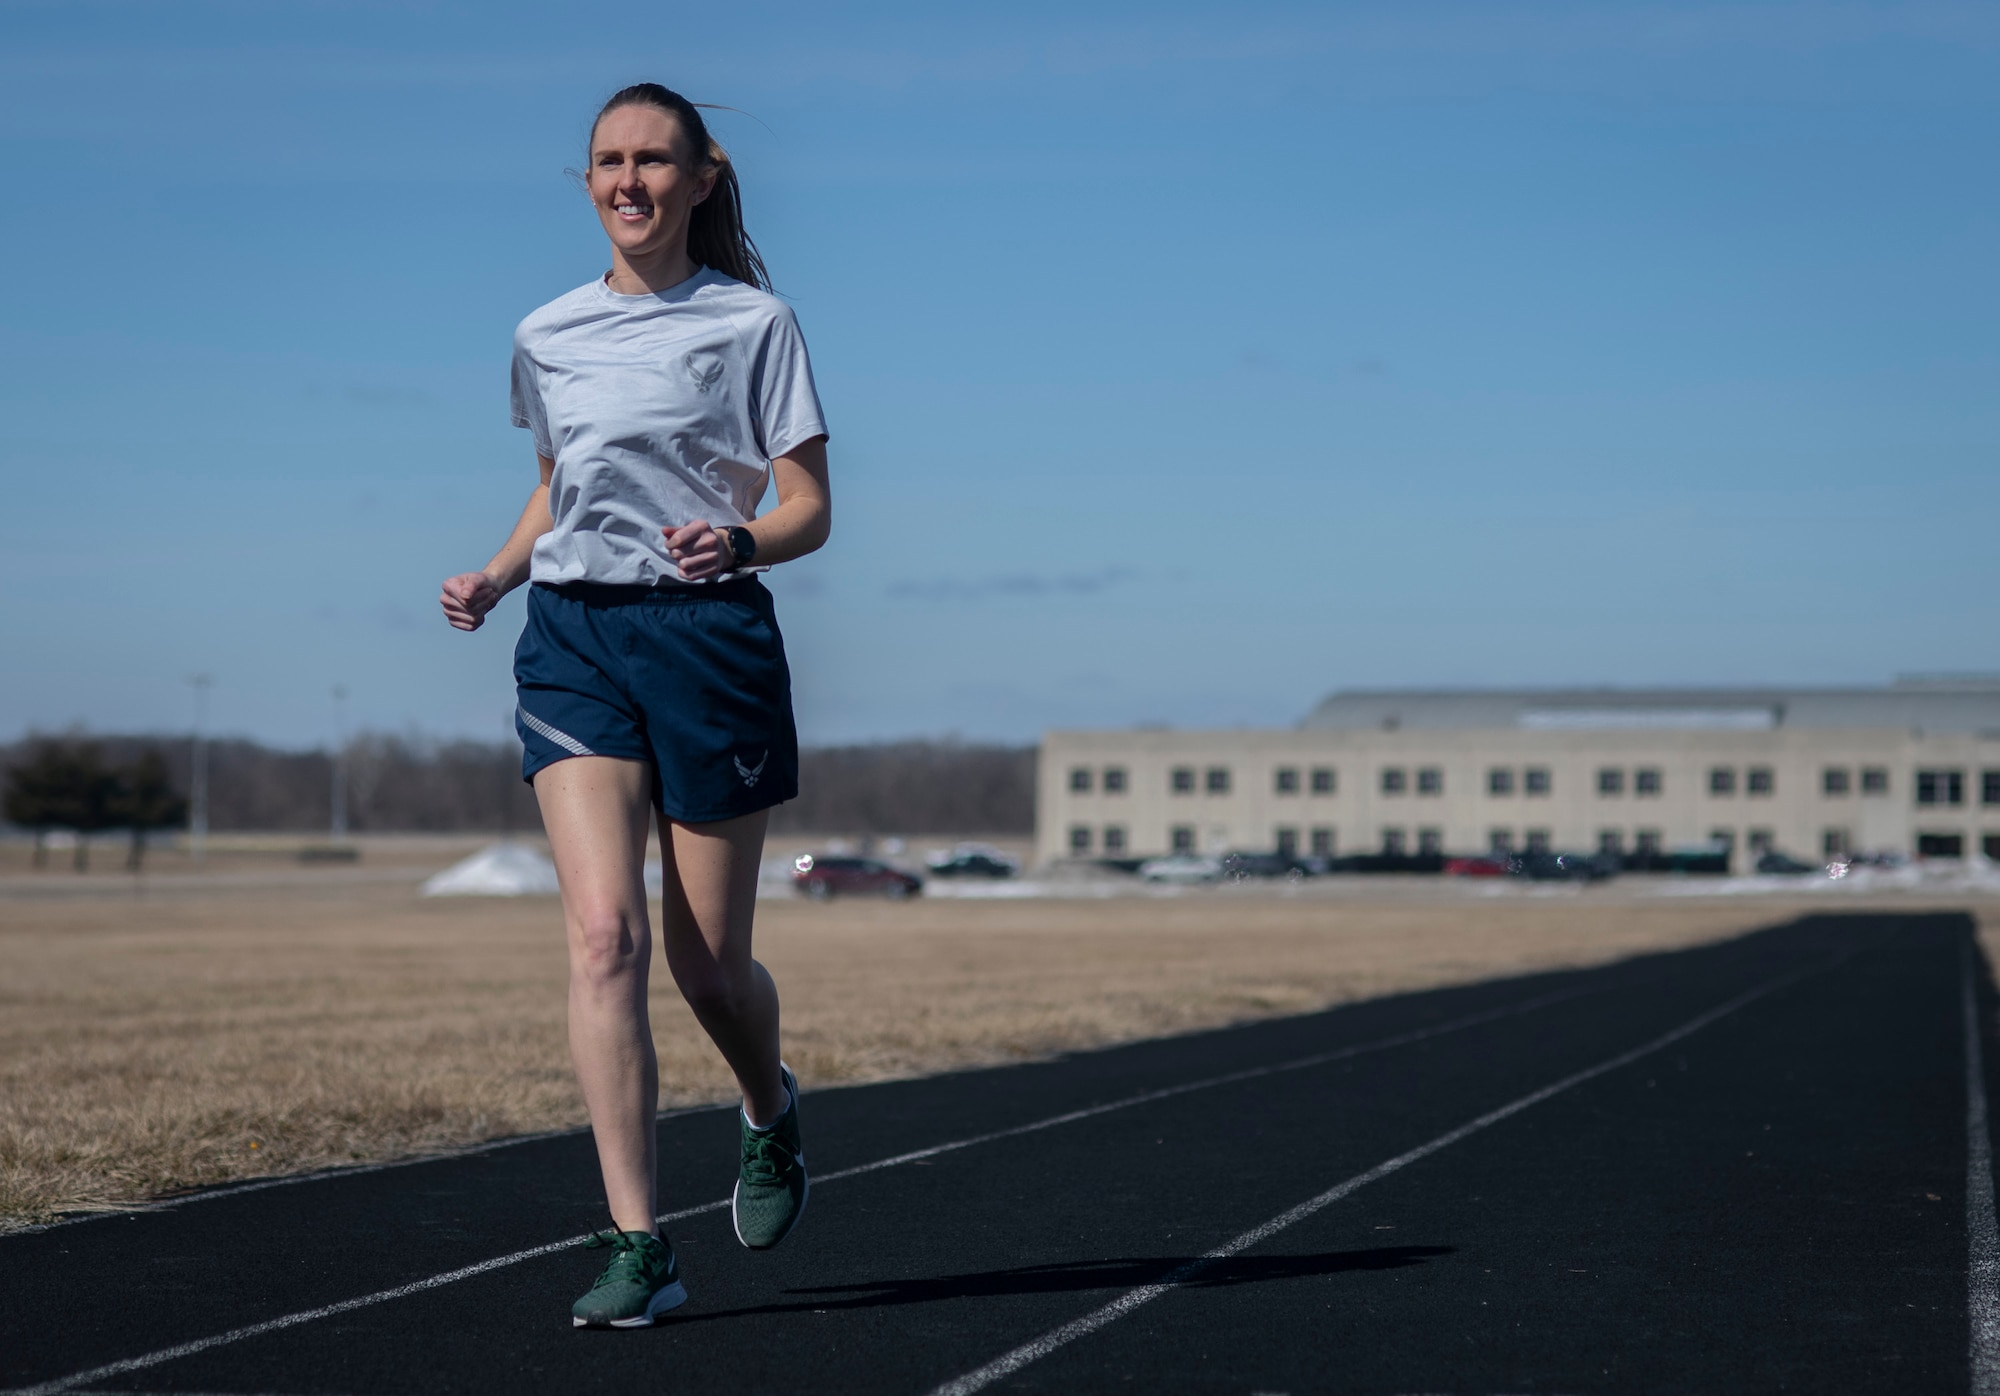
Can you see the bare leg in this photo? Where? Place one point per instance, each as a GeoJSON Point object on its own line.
{"type": "Point", "coordinates": [596, 810]}
{"type": "Point", "coordinates": [710, 898]}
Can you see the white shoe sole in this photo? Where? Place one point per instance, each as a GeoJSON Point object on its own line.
{"type": "Point", "coordinates": [668, 1297]}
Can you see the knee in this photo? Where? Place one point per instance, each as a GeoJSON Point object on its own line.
{"type": "Point", "coordinates": [606, 943]}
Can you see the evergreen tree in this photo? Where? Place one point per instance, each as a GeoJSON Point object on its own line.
{"type": "Point", "coordinates": [145, 800]}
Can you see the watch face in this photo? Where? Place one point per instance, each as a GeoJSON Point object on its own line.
{"type": "Point", "coordinates": [743, 543]}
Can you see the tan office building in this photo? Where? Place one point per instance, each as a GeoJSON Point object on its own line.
{"type": "Point", "coordinates": [1910, 768]}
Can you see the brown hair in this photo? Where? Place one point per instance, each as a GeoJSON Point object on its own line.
{"type": "Point", "coordinates": [715, 228]}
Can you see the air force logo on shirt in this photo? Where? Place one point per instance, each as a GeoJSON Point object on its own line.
{"type": "Point", "coordinates": [751, 773]}
{"type": "Point", "coordinates": [704, 368]}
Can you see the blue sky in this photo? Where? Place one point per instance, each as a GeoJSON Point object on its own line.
{"type": "Point", "coordinates": [1183, 362]}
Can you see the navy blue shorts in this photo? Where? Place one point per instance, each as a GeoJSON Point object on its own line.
{"type": "Point", "coordinates": [690, 680]}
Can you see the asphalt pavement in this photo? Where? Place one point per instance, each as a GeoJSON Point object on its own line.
{"type": "Point", "coordinates": [1753, 1166]}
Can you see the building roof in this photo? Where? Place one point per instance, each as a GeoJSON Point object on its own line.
{"type": "Point", "coordinates": [1927, 703]}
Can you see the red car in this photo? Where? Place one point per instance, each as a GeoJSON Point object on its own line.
{"type": "Point", "coordinates": [820, 878]}
{"type": "Point", "coordinates": [1476, 867]}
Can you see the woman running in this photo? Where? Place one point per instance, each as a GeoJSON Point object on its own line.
{"type": "Point", "coordinates": [662, 396]}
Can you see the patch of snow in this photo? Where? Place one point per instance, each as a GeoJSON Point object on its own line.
{"type": "Point", "coordinates": [498, 870]}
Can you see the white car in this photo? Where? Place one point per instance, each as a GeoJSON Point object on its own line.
{"type": "Point", "coordinates": [1182, 867]}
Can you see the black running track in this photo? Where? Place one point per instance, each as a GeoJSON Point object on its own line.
{"type": "Point", "coordinates": [1775, 1200]}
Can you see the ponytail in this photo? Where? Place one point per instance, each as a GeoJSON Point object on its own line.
{"type": "Point", "coordinates": [715, 227]}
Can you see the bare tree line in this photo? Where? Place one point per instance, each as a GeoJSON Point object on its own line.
{"type": "Point", "coordinates": [405, 784]}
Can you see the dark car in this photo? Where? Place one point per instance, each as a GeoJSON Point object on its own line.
{"type": "Point", "coordinates": [1784, 864]}
{"type": "Point", "coordinates": [1561, 867]}
{"type": "Point", "coordinates": [1238, 866]}
{"type": "Point", "coordinates": [820, 878]}
{"type": "Point", "coordinates": [973, 860]}
{"type": "Point", "coordinates": [1707, 859]}
{"type": "Point", "coordinates": [1385, 863]}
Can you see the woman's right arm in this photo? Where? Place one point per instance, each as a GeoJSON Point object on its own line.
{"type": "Point", "coordinates": [470, 595]}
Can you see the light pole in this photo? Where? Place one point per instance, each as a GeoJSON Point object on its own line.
{"type": "Point", "coordinates": [198, 770]}
{"type": "Point", "coordinates": [339, 835]}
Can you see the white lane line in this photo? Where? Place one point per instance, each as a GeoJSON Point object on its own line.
{"type": "Point", "coordinates": [1982, 1236]}
{"type": "Point", "coordinates": [1008, 1363]}
{"type": "Point", "coordinates": [237, 1335]}
{"type": "Point", "coordinates": [1230, 1078]}
{"type": "Point", "coordinates": [352, 1170]}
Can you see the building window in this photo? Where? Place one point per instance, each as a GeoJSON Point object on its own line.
{"type": "Point", "coordinates": [1538, 840]}
{"type": "Point", "coordinates": [1990, 846]}
{"type": "Point", "coordinates": [1874, 780]}
{"type": "Point", "coordinates": [1430, 842]}
{"type": "Point", "coordinates": [1940, 787]}
{"type": "Point", "coordinates": [1940, 845]}
{"type": "Point", "coordinates": [1182, 838]}
{"type": "Point", "coordinates": [1722, 781]}
{"type": "Point", "coordinates": [1182, 780]}
{"type": "Point", "coordinates": [1835, 781]}
{"type": "Point", "coordinates": [1724, 839]}
{"type": "Point", "coordinates": [1500, 842]}
{"type": "Point", "coordinates": [1079, 839]}
{"type": "Point", "coordinates": [1079, 780]}
{"type": "Point", "coordinates": [1989, 787]}
{"type": "Point", "coordinates": [1217, 780]}
{"type": "Point", "coordinates": [1646, 841]}
{"type": "Point", "coordinates": [1611, 843]}
{"type": "Point", "coordinates": [1762, 841]}
{"type": "Point", "coordinates": [1499, 781]}
{"type": "Point", "coordinates": [1322, 843]}
{"type": "Point", "coordinates": [1114, 780]}
{"type": "Point", "coordinates": [1610, 781]}
{"type": "Point", "coordinates": [1759, 780]}
{"type": "Point", "coordinates": [1114, 838]}
{"type": "Point", "coordinates": [1392, 842]}
{"type": "Point", "coordinates": [1833, 843]}
{"type": "Point", "coordinates": [1288, 843]}
{"type": "Point", "coordinates": [1395, 780]}
{"type": "Point", "coordinates": [1535, 780]}
{"type": "Point", "coordinates": [1646, 781]}
{"type": "Point", "coordinates": [1322, 780]}
{"type": "Point", "coordinates": [1430, 780]}
{"type": "Point", "coordinates": [1285, 780]}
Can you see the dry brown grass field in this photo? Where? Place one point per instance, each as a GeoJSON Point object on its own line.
{"type": "Point", "coordinates": [260, 1017]}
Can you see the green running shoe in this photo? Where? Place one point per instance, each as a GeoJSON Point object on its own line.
{"type": "Point", "coordinates": [641, 1282]}
{"type": "Point", "coordinates": [771, 1186]}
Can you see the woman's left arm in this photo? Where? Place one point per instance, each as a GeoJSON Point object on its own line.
{"type": "Point", "coordinates": [797, 526]}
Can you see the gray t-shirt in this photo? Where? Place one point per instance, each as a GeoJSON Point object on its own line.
{"type": "Point", "coordinates": [657, 410]}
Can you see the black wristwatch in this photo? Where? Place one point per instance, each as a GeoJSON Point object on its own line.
{"type": "Point", "coordinates": [742, 544]}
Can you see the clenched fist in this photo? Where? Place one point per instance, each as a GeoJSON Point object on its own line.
{"type": "Point", "coordinates": [468, 597]}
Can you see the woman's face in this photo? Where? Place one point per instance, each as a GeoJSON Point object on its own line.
{"type": "Point", "coordinates": [644, 179]}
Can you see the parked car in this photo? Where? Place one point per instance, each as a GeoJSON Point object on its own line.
{"type": "Point", "coordinates": [1241, 865]}
{"type": "Point", "coordinates": [1703, 858]}
{"type": "Point", "coordinates": [1562, 867]}
{"type": "Point", "coordinates": [973, 860]}
{"type": "Point", "coordinates": [820, 878]}
{"type": "Point", "coordinates": [1182, 867]}
{"type": "Point", "coordinates": [1385, 863]}
{"type": "Point", "coordinates": [1784, 864]}
{"type": "Point", "coordinates": [1475, 867]}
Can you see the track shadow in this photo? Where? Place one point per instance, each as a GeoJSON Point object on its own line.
{"type": "Point", "coordinates": [1080, 1275]}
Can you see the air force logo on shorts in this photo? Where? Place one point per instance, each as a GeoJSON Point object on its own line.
{"type": "Point", "coordinates": [751, 773]}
